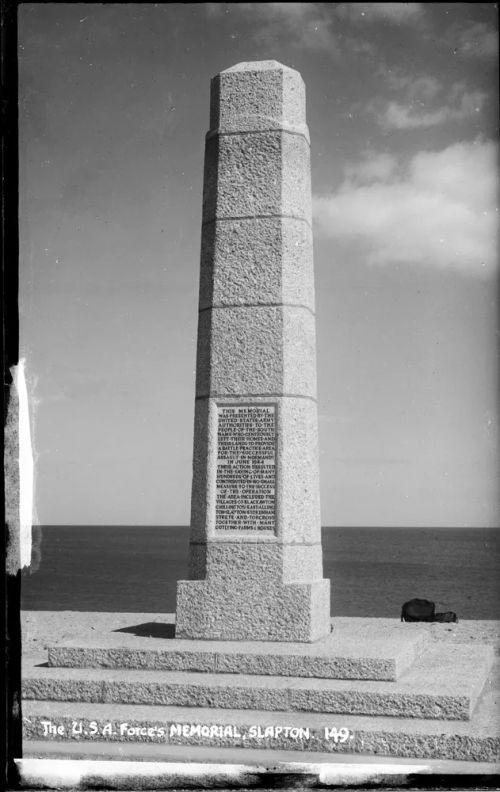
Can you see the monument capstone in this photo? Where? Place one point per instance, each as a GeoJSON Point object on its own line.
{"type": "Point", "coordinates": [255, 557]}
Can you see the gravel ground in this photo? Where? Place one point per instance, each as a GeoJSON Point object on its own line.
{"type": "Point", "coordinates": [42, 627]}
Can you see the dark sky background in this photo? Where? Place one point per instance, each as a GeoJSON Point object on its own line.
{"type": "Point", "coordinates": [402, 108]}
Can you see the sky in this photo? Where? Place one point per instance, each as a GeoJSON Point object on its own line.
{"type": "Point", "coordinates": [402, 107]}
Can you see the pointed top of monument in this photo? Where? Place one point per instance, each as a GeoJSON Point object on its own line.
{"type": "Point", "coordinates": [257, 95]}
{"type": "Point", "coordinates": [264, 65]}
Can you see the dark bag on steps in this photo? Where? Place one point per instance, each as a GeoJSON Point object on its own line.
{"type": "Point", "coordinates": [418, 610]}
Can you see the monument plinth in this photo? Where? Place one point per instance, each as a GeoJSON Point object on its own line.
{"type": "Point", "coordinates": [255, 564]}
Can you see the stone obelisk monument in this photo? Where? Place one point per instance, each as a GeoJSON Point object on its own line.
{"type": "Point", "coordinates": [255, 564]}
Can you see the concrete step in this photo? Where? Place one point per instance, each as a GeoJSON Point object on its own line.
{"type": "Point", "coordinates": [349, 652]}
{"type": "Point", "coordinates": [107, 729]}
{"type": "Point", "coordinates": [443, 683]}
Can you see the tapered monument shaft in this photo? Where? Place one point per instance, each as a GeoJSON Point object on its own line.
{"type": "Point", "coordinates": [255, 562]}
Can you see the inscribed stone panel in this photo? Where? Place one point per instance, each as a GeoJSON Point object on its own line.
{"type": "Point", "coordinates": [246, 467]}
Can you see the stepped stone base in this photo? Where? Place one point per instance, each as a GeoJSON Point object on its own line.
{"type": "Point", "coordinates": [348, 652]}
{"type": "Point", "coordinates": [440, 701]}
{"type": "Point", "coordinates": [477, 740]}
{"type": "Point", "coordinates": [428, 690]}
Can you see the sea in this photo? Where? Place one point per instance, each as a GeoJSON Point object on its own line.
{"type": "Point", "coordinates": [134, 569]}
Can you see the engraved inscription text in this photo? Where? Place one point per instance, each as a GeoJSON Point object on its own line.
{"type": "Point", "coordinates": [246, 468]}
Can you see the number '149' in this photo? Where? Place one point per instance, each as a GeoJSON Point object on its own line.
{"type": "Point", "coordinates": [337, 735]}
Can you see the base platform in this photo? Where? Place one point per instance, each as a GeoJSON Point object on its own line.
{"type": "Point", "coordinates": [373, 687]}
{"type": "Point", "coordinates": [351, 651]}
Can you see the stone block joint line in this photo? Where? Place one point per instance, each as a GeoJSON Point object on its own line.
{"type": "Point", "coordinates": [219, 132]}
{"type": "Point", "coordinates": [254, 216]}
{"type": "Point", "coordinates": [221, 395]}
{"type": "Point", "coordinates": [257, 305]}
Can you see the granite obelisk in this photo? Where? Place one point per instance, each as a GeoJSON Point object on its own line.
{"type": "Point", "coordinates": [255, 563]}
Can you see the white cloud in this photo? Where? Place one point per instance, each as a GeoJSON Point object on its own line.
{"type": "Point", "coordinates": [310, 26]}
{"type": "Point", "coordinates": [304, 24]}
{"type": "Point", "coordinates": [424, 87]}
{"type": "Point", "coordinates": [419, 111]}
{"type": "Point", "coordinates": [374, 167]}
{"type": "Point", "coordinates": [438, 211]}
{"type": "Point", "coordinates": [396, 13]}
{"type": "Point", "coordinates": [399, 116]}
{"type": "Point", "coordinates": [313, 25]}
{"type": "Point", "coordinates": [478, 40]}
